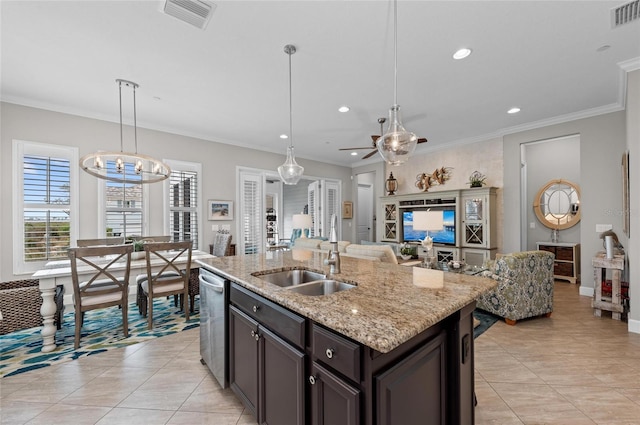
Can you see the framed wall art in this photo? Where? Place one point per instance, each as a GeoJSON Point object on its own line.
{"type": "Point", "coordinates": [347, 209]}
{"type": "Point", "coordinates": [219, 210]}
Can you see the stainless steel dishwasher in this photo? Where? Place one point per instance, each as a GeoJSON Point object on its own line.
{"type": "Point", "coordinates": [214, 297]}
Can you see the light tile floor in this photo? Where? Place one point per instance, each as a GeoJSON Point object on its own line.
{"type": "Point", "coordinates": [572, 368]}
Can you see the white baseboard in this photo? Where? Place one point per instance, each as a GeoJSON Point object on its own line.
{"type": "Point", "coordinates": [585, 291]}
{"type": "Point", "coordinates": [633, 326]}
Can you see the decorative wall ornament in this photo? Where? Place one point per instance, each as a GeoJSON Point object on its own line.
{"type": "Point", "coordinates": [439, 176]}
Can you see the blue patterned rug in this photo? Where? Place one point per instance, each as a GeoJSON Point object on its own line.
{"type": "Point", "coordinates": [102, 331]}
{"type": "Point", "coordinates": [486, 321]}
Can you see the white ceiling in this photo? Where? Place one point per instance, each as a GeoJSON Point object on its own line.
{"type": "Point", "coordinates": [229, 83]}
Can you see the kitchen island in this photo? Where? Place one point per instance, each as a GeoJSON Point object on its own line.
{"type": "Point", "coordinates": [384, 352]}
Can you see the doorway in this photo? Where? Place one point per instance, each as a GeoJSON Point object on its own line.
{"type": "Point", "coordinates": [365, 210]}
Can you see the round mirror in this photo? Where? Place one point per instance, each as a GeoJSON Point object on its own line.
{"type": "Point", "coordinates": [557, 204]}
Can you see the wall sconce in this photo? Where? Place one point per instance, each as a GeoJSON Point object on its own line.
{"type": "Point", "coordinates": [391, 185]}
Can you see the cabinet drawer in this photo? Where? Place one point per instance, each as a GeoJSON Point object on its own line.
{"type": "Point", "coordinates": [564, 253]}
{"type": "Point", "coordinates": [281, 321]}
{"type": "Point", "coordinates": [547, 248]}
{"type": "Point", "coordinates": [336, 352]}
{"type": "Point", "coordinates": [563, 269]}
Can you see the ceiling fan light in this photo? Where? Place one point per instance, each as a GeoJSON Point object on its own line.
{"type": "Point", "coordinates": [290, 172]}
{"type": "Point", "coordinates": [397, 144]}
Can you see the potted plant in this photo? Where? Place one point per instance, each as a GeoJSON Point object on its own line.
{"type": "Point", "coordinates": [477, 179]}
{"type": "Point", "coordinates": [406, 251]}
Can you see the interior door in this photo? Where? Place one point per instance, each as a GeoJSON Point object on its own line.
{"type": "Point", "coordinates": [364, 213]}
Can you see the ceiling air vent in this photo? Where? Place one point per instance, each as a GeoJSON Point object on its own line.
{"type": "Point", "coordinates": [626, 13]}
{"type": "Point", "coordinates": [193, 12]}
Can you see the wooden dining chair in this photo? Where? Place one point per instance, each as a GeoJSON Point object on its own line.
{"type": "Point", "coordinates": [117, 240]}
{"type": "Point", "coordinates": [172, 279]}
{"type": "Point", "coordinates": [102, 288]}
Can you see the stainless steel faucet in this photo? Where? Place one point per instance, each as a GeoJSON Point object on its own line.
{"type": "Point", "coordinates": [333, 257]}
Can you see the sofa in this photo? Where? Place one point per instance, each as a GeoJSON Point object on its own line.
{"type": "Point", "coordinates": [382, 253]}
{"type": "Point", "coordinates": [525, 286]}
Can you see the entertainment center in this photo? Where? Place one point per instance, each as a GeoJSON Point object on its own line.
{"type": "Point", "coordinates": [469, 217]}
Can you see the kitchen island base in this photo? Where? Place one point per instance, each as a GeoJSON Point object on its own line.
{"type": "Point", "coordinates": [332, 380]}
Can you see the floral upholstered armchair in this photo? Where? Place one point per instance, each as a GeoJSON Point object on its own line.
{"type": "Point", "coordinates": [525, 286]}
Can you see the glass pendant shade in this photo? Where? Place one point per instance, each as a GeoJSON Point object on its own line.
{"type": "Point", "coordinates": [290, 172]}
{"type": "Point", "coordinates": [397, 144]}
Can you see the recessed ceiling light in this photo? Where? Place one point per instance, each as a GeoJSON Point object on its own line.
{"type": "Point", "coordinates": [462, 53]}
{"type": "Point", "coordinates": [344, 108]}
{"type": "Point", "coordinates": [354, 153]}
{"type": "Point", "coordinates": [284, 136]}
{"type": "Point", "coordinates": [513, 110]}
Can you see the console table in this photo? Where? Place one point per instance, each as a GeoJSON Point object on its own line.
{"type": "Point", "coordinates": [567, 263]}
{"type": "Point", "coordinates": [614, 303]}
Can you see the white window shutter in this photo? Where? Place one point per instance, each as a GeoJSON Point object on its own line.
{"type": "Point", "coordinates": [251, 213]}
{"type": "Point", "coordinates": [315, 208]}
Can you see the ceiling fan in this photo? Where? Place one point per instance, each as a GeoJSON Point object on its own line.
{"type": "Point", "coordinates": [374, 139]}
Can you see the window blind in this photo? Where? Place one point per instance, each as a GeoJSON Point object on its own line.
{"type": "Point", "coordinates": [46, 207]}
{"type": "Point", "coordinates": [124, 204]}
{"type": "Point", "coordinates": [183, 206]}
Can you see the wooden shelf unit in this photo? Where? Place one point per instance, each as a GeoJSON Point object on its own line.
{"type": "Point", "coordinates": [567, 262]}
{"type": "Point", "coordinates": [614, 303]}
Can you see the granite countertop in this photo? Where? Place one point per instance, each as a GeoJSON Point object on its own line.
{"type": "Point", "coordinates": [382, 312]}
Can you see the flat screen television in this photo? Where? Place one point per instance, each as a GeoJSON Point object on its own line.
{"type": "Point", "coordinates": [446, 236]}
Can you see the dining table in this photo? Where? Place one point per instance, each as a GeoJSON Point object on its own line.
{"type": "Point", "coordinates": [58, 273]}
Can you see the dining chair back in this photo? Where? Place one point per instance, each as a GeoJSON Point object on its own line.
{"type": "Point", "coordinates": [146, 239]}
{"type": "Point", "coordinates": [221, 244]}
{"type": "Point", "coordinates": [116, 240]}
{"type": "Point", "coordinates": [102, 287]}
{"type": "Point", "coordinates": [173, 276]}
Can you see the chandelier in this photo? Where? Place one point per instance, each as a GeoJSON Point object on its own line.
{"type": "Point", "coordinates": [397, 144]}
{"type": "Point", "coordinates": [125, 167]}
{"type": "Point", "coordinates": [290, 172]}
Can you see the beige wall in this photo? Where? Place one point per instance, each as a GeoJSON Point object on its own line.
{"type": "Point", "coordinates": [219, 162]}
{"type": "Point", "coordinates": [602, 141]}
{"type": "Point", "coordinates": [462, 160]}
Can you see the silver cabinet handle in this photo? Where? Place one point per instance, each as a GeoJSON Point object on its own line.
{"type": "Point", "coordinates": [329, 353]}
{"type": "Point", "coordinates": [255, 308]}
{"type": "Point", "coordinates": [312, 380]}
{"type": "Point", "coordinates": [255, 335]}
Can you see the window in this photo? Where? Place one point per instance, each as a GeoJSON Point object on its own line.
{"type": "Point", "coordinates": [250, 212]}
{"type": "Point", "coordinates": [45, 201]}
{"type": "Point", "coordinates": [124, 214]}
{"type": "Point", "coordinates": [183, 194]}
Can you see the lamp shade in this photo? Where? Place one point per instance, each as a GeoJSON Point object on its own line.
{"type": "Point", "coordinates": [302, 221]}
{"type": "Point", "coordinates": [428, 220]}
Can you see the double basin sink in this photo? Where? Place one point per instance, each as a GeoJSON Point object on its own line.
{"type": "Point", "coordinates": [303, 281]}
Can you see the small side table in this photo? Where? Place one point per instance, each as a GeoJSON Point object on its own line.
{"type": "Point", "coordinates": [600, 265]}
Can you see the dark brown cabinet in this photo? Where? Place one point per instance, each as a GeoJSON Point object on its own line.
{"type": "Point", "coordinates": [243, 358]}
{"type": "Point", "coordinates": [333, 400]}
{"type": "Point", "coordinates": [282, 364]}
{"type": "Point", "coordinates": [266, 372]}
{"type": "Point", "coordinates": [414, 391]}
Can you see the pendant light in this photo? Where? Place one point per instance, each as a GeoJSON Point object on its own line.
{"type": "Point", "coordinates": [125, 167]}
{"type": "Point", "coordinates": [397, 144]}
{"type": "Point", "coordinates": [290, 172]}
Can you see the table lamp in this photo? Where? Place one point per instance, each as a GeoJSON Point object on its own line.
{"type": "Point", "coordinates": [428, 220]}
{"type": "Point", "coordinates": [302, 221]}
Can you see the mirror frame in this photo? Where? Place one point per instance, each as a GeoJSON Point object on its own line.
{"type": "Point", "coordinates": [537, 206]}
